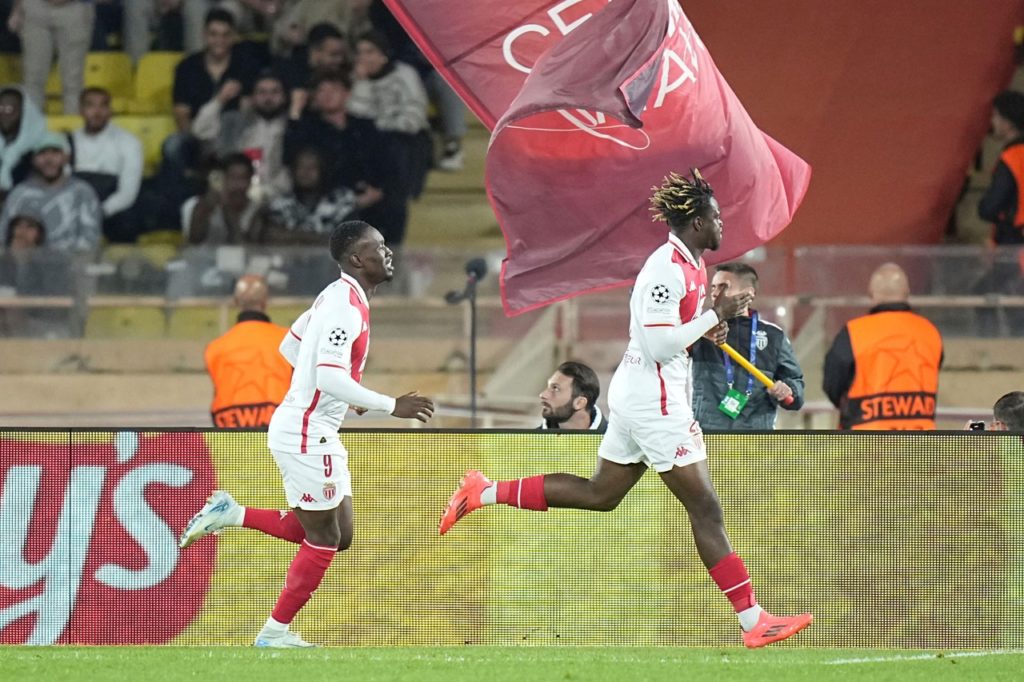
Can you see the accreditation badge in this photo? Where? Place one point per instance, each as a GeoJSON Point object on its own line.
{"type": "Point", "coordinates": [733, 403]}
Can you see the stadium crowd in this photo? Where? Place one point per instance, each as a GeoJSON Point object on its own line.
{"type": "Point", "coordinates": [215, 121]}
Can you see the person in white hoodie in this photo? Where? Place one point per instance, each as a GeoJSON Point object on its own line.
{"type": "Point", "coordinates": [22, 126]}
{"type": "Point", "coordinates": [109, 158]}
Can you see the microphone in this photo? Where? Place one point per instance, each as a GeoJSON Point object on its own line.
{"type": "Point", "coordinates": [476, 270]}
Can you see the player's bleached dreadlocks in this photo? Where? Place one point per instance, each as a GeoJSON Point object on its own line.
{"type": "Point", "coordinates": [680, 200]}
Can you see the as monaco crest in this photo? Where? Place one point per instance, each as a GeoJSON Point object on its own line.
{"type": "Point", "coordinates": [329, 491]}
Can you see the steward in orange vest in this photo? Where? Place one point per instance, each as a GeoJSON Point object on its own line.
{"type": "Point", "coordinates": [250, 376]}
{"type": "Point", "coordinates": [882, 370]}
{"type": "Point", "coordinates": [1003, 202]}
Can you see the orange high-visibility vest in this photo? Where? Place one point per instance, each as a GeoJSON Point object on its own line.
{"type": "Point", "coordinates": [250, 376]}
{"type": "Point", "coordinates": [1013, 157]}
{"type": "Point", "coordinates": [896, 372]}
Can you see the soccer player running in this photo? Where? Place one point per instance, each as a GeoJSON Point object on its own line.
{"type": "Point", "coordinates": [327, 346]}
{"type": "Point", "coordinates": [651, 423]}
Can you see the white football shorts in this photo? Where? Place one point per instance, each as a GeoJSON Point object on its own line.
{"type": "Point", "coordinates": [314, 482]}
{"type": "Point", "coordinates": [659, 441]}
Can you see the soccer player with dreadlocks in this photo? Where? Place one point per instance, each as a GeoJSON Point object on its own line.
{"type": "Point", "coordinates": [651, 423]}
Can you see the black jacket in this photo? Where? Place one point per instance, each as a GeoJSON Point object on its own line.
{"type": "Point", "coordinates": [776, 359]}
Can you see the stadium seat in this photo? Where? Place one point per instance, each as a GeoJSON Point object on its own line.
{"type": "Point", "coordinates": [154, 79]}
{"type": "Point", "coordinates": [161, 238]}
{"type": "Point", "coordinates": [63, 123]}
{"type": "Point", "coordinates": [10, 69]}
{"type": "Point", "coordinates": [127, 322]}
{"type": "Point", "coordinates": [54, 105]}
{"type": "Point", "coordinates": [152, 131]}
{"type": "Point", "coordinates": [111, 71]}
{"type": "Point", "coordinates": [198, 324]}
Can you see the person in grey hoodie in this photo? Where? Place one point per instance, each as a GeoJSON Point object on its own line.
{"type": "Point", "coordinates": [22, 125]}
{"type": "Point", "coordinates": [68, 207]}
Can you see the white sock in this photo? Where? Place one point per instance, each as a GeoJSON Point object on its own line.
{"type": "Point", "coordinates": [748, 617]}
{"type": "Point", "coordinates": [275, 627]}
{"type": "Point", "coordinates": [237, 518]}
{"type": "Point", "coordinates": [489, 494]}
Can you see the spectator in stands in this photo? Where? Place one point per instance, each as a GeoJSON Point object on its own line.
{"type": "Point", "coordinates": [29, 268]}
{"type": "Point", "coordinates": [24, 234]}
{"type": "Point", "coordinates": [300, 19]}
{"type": "Point", "coordinates": [1002, 203]}
{"type": "Point", "coordinates": [308, 213]}
{"type": "Point", "coordinates": [225, 214]}
{"type": "Point", "coordinates": [327, 51]}
{"type": "Point", "coordinates": [67, 207]}
{"type": "Point", "coordinates": [391, 94]}
{"type": "Point", "coordinates": [250, 376]}
{"type": "Point", "coordinates": [569, 401]}
{"type": "Point", "coordinates": [194, 13]}
{"type": "Point", "coordinates": [257, 131]}
{"type": "Point", "coordinates": [451, 111]}
{"type": "Point", "coordinates": [356, 155]}
{"type": "Point", "coordinates": [109, 158]}
{"type": "Point", "coordinates": [882, 370]}
{"type": "Point", "coordinates": [139, 17]}
{"type": "Point", "coordinates": [22, 126]}
{"type": "Point", "coordinates": [764, 344]}
{"type": "Point", "coordinates": [219, 71]}
{"type": "Point", "coordinates": [1008, 412]}
{"type": "Point", "coordinates": [222, 71]}
{"type": "Point", "coordinates": [48, 26]}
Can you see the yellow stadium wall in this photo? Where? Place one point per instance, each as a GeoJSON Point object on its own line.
{"type": "Point", "coordinates": [891, 540]}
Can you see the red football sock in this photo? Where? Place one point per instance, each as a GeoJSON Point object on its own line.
{"type": "Point", "coordinates": [304, 576]}
{"type": "Point", "coordinates": [733, 580]}
{"type": "Point", "coordinates": [525, 493]}
{"type": "Point", "coordinates": [279, 524]}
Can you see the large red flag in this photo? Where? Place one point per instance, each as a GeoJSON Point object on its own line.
{"type": "Point", "coordinates": [592, 103]}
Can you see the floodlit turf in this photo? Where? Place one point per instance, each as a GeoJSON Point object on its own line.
{"type": "Point", "coordinates": [494, 664]}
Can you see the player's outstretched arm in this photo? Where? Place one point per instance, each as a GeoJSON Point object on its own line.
{"type": "Point", "coordinates": [413, 406]}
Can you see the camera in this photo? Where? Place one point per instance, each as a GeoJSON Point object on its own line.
{"type": "Point", "coordinates": [976, 426]}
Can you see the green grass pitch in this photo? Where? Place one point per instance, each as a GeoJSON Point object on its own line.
{"type": "Point", "coordinates": [495, 664]}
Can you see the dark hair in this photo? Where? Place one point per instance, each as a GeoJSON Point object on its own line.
{"type": "Point", "coordinates": [1010, 105]}
{"type": "Point", "coordinates": [740, 270]}
{"type": "Point", "coordinates": [330, 76]}
{"type": "Point", "coordinates": [1010, 410]}
{"type": "Point", "coordinates": [236, 159]}
{"type": "Point", "coordinates": [94, 90]}
{"type": "Point", "coordinates": [12, 91]}
{"type": "Point", "coordinates": [269, 75]}
{"type": "Point", "coordinates": [221, 15]}
{"type": "Point", "coordinates": [318, 33]}
{"type": "Point", "coordinates": [679, 200]}
{"type": "Point", "coordinates": [345, 235]}
{"type": "Point", "coordinates": [23, 218]}
{"type": "Point", "coordinates": [307, 150]}
{"type": "Point", "coordinates": [584, 381]}
{"type": "Point", "coordinates": [379, 40]}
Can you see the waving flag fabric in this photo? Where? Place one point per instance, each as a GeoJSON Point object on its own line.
{"type": "Point", "coordinates": [590, 104]}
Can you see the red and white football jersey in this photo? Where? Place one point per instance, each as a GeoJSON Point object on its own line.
{"type": "Point", "coordinates": [669, 291]}
{"type": "Point", "coordinates": [334, 333]}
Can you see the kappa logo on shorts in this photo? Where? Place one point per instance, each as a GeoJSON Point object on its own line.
{"type": "Point", "coordinates": [329, 491]}
{"type": "Point", "coordinates": [306, 497]}
{"type": "Point", "coordinates": [682, 451]}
